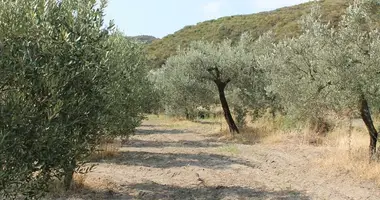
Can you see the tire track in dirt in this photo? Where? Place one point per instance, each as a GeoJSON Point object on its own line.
{"type": "Point", "coordinates": [166, 162]}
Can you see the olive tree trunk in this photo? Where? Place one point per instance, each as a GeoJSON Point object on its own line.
{"type": "Point", "coordinates": [367, 119]}
{"type": "Point", "coordinates": [69, 173]}
{"type": "Point", "coordinates": [227, 113]}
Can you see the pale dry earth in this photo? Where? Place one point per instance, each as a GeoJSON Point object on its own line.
{"type": "Point", "coordinates": [165, 161]}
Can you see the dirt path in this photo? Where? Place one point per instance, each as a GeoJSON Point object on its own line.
{"type": "Point", "coordinates": [166, 162]}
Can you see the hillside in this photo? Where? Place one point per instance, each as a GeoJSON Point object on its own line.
{"type": "Point", "coordinates": [147, 39]}
{"type": "Point", "coordinates": [283, 22]}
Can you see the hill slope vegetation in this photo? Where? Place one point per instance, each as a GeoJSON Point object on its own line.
{"type": "Point", "coordinates": [283, 22]}
{"type": "Point", "coordinates": [146, 39]}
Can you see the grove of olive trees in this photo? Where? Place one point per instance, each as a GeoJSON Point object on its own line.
{"type": "Point", "coordinates": [326, 69]}
{"type": "Point", "coordinates": [68, 80]}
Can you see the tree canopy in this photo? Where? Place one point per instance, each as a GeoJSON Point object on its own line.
{"type": "Point", "coordinates": [66, 82]}
{"type": "Point", "coordinates": [205, 63]}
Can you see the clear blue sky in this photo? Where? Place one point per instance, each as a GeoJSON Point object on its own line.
{"type": "Point", "coordinates": [162, 17]}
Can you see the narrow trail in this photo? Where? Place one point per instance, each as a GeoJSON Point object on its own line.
{"type": "Point", "coordinates": [163, 161]}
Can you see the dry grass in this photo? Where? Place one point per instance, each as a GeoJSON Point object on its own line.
{"type": "Point", "coordinates": [267, 130]}
{"type": "Point", "coordinates": [57, 190]}
{"type": "Point", "coordinates": [348, 150]}
{"type": "Point", "coordinates": [209, 125]}
{"type": "Point", "coordinates": [171, 122]}
{"type": "Point", "coordinates": [106, 150]}
{"type": "Point", "coordinates": [354, 162]}
{"type": "Point", "coordinates": [348, 145]}
{"type": "Point", "coordinates": [253, 135]}
{"type": "Point", "coordinates": [79, 182]}
{"type": "Point", "coordinates": [83, 187]}
{"type": "Point", "coordinates": [350, 154]}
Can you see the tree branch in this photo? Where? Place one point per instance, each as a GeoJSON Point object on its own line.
{"type": "Point", "coordinates": [217, 72]}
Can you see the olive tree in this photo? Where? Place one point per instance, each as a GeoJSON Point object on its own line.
{"type": "Point", "coordinates": [181, 94]}
{"type": "Point", "coordinates": [330, 69]}
{"type": "Point", "coordinates": [220, 64]}
{"type": "Point", "coordinates": [64, 84]}
{"type": "Point", "coordinates": [129, 92]}
{"type": "Point", "coordinates": [354, 57]}
{"type": "Point", "coordinates": [53, 68]}
{"type": "Point", "coordinates": [297, 71]}
{"type": "Point", "coordinates": [251, 86]}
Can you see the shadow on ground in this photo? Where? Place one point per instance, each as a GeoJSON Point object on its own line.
{"type": "Point", "coordinates": [152, 191]}
{"type": "Point", "coordinates": [91, 194]}
{"type": "Point", "coordinates": [169, 160]}
{"type": "Point", "coordinates": [149, 125]}
{"type": "Point", "coordinates": [182, 143]}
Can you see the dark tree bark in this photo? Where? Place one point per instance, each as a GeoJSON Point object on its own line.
{"type": "Point", "coordinates": [69, 173]}
{"type": "Point", "coordinates": [187, 113]}
{"type": "Point", "coordinates": [367, 119]}
{"type": "Point", "coordinates": [227, 113]}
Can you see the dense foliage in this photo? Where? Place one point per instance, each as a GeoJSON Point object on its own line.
{"type": "Point", "coordinates": [129, 92]}
{"type": "Point", "coordinates": [66, 81]}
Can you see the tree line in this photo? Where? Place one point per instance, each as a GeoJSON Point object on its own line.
{"type": "Point", "coordinates": [326, 69]}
